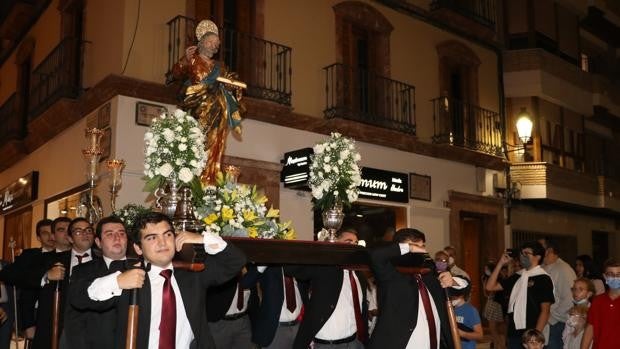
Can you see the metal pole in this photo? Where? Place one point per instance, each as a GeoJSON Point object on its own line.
{"type": "Point", "coordinates": [17, 339]}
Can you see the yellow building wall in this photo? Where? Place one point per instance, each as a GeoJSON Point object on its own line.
{"type": "Point", "coordinates": [310, 29]}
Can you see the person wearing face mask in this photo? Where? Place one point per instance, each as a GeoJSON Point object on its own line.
{"type": "Point", "coordinates": [467, 317]}
{"type": "Point", "coordinates": [604, 315]}
{"type": "Point", "coordinates": [582, 290]}
{"type": "Point", "coordinates": [531, 293]}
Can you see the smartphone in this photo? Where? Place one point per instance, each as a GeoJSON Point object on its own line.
{"type": "Point", "coordinates": [513, 252]}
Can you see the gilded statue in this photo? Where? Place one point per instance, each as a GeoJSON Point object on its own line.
{"type": "Point", "coordinates": [211, 94]}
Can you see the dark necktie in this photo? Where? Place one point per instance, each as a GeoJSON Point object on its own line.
{"type": "Point", "coordinates": [359, 323]}
{"type": "Point", "coordinates": [239, 297]}
{"type": "Point", "coordinates": [167, 325]}
{"type": "Point", "coordinates": [80, 257]}
{"type": "Point", "coordinates": [428, 310]}
{"type": "Point", "coordinates": [289, 291]}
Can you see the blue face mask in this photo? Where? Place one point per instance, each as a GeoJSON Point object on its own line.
{"type": "Point", "coordinates": [613, 282]}
{"type": "Point", "coordinates": [525, 262]}
{"type": "Point", "coordinates": [581, 301]}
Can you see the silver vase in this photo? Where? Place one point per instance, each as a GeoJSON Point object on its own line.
{"type": "Point", "coordinates": [167, 198]}
{"type": "Point", "coordinates": [184, 217]}
{"type": "Point", "coordinates": [332, 221]}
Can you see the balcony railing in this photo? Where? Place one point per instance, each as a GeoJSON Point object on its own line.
{"type": "Point", "coordinates": [11, 126]}
{"type": "Point", "coordinates": [263, 65]}
{"type": "Point", "coordinates": [482, 11]}
{"type": "Point", "coordinates": [361, 95]}
{"type": "Point", "coordinates": [466, 125]}
{"type": "Point", "coordinates": [57, 76]}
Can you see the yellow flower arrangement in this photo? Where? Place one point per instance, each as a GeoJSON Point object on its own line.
{"type": "Point", "coordinates": [238, 210]}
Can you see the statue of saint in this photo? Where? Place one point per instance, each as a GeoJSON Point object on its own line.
{"type": "Point", "coordinates": [211, 94]}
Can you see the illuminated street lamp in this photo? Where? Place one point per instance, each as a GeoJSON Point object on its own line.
{"type": "Point", "coordinates": [524, 126]}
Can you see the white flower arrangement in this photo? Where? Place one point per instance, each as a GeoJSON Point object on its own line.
{"type": "Point", "coordinates": [174, 150]}
{"type": "Point", "coordinates": [129, 213]}
{"type": "Point", "coordinates": [334, 173]}
{"type": "Point", "coordinates": [238, 210]}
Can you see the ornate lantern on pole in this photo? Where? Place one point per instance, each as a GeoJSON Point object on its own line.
{"type": "Point", "coordinates": [93, 211]}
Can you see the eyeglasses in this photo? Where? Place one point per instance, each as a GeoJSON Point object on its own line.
{"type": "Point", "coordinates": [80, 231]}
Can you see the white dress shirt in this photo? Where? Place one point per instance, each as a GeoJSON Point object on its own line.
{"type": "Point", "coordinates": [74, 259]}
{"type": "Point", "coordinates": [341, 324]}
{"type": "Point", "coordinates": [232, 310]}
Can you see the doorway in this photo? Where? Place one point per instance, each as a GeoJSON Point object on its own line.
{"type": "Point", "coordinates": [471, 228]}
{"type": "Point", "coordinates": [18, 228]}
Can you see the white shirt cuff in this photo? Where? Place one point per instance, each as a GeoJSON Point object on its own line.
{"type": "Point", "coordinates": [404, 248]}
{"type": "Point", "coordinates": [213, 243]}
{"type": "Point", "coordinates": [461, 283]}
{"type": "Point", "coordinates": [105, 287]}
{"type": "Point", "coordinates": [261, 268]}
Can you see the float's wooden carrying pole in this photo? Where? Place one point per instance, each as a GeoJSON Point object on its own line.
{"type": "Point", "coordinates": [55, 316]}
{"type": "Point", "coordinates": [132, 320]}
{"type": "Point", "coordinates": [454, 327]}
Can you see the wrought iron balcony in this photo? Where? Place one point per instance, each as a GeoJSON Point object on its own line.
{"type": "Point", "coordinates": [465, 125]}
{"type": "Point", "coordinates": [361, 95]}
{"type": "Point", "coordinates": [263, 65]}
{"type": "Point", "coordinates": [11, 125]}
{"type": "Point", "coordinates": [57, 76]}
{"type": "Point", "coordinates": [481, 11]}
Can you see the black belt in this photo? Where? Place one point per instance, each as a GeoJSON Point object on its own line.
{"type": "Point", "coordinates": [288, 323]}
{"type": "Point", "coordinates": [234, 316]}
{"type": "Point", "coordinates": [336, 341]}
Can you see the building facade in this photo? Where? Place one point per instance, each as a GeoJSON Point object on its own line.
{"type": "Point", "coordinates": [418, 84]}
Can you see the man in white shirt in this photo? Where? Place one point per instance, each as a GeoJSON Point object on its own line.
{"type": "Point", "coordinates": [171, 300]}
{"type": "Point", "coordinates": [412, 311]}
{"type": "Point", "coordinates": [336, 314]}
{"type": "Point", "coordinates": [91, 328]}
{"type": "Point", "coordinates": [563, 276]}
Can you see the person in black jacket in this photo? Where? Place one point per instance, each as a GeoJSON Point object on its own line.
{"type": "Point", "coordinates": [336, 316]}
{"type": "Point", "coordinates": [172, 301]}
{"type": "Point", "coordinates": [412, 308]}
{"type": "Point", "coordinates": [90, 329]}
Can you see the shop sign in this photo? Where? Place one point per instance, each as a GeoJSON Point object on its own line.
{"type": "Point", "coordinates": [19, 193]}
{"type": "Point", "coordinates": [296, 170]}
{"type": "Point", "coordinates": [384, 185]}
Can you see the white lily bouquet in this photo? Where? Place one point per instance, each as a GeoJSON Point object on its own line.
{"type": "Point", "coordinates": [334, 173]}
{"type": "Point", "coordinates": [129, 214]}
{"type": "Point", "coordinates": [174, 151]}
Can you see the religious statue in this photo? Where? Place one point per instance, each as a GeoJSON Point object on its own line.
{"type": "Point", "coordinates": [211, 94]}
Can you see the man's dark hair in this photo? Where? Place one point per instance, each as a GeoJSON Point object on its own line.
{"type": "Point", "coordinates": [551, 244]}
{"type": "Point", "coordinates": [405, 234]}
{"type": "Point", "coordinates": [346, 230]}
{"type": "Point", "coordinates": [106, 220]}
{"type": "Point", "coordinates": [537, 249]}
{"type": "Point", "coordinates": [74, 222]}
{"type": "Point", "coordinates": [42, 223]}
{"type": "Point", "coordinates": [59, 220]}
{"type": "Point", "coordinates": [142, 220]}
{"type": "Point", "coordinates": [611, 263]}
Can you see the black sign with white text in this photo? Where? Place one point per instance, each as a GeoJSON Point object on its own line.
{"type": "Point", "coordinates": [296, 170]}
{"type": "Point", "coordinates": [19, 193]}
{"type": "Point", "coordinates": [384, 185]}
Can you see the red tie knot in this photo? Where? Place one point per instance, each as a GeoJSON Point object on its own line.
{"type": "Point", "coordinates": [166, 273]}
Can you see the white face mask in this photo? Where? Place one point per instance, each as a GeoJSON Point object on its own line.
{"type": "Point", "coordinates": [580, 301]}
{"type": "Point", "coordinates": [456, 302]}
{"type": "Point", "coordinates": [450, 261]}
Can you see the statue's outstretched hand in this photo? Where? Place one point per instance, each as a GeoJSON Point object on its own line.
{"type": "Point", "coordinates": [189, 52]}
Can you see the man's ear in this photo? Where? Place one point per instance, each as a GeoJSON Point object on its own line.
{"type": "Point", "coordinates": [137, 249]}
{"type": "Point", "coordinates": [98, 242]}
{"type": "Point", "coordinates": [70, 238]}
